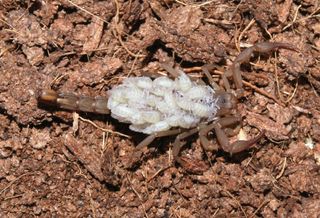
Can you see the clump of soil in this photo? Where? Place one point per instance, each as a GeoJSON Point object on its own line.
{"type": "Point", "coordinates": [55, 163]}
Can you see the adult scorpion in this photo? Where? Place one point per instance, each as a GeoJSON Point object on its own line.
{"type": "Point", "coordinates": [177, 106]}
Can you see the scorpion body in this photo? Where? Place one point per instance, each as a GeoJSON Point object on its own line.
{"type": "Point", "coordinates": [177, 106]}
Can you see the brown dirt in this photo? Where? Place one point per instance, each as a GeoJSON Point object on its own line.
{"type": "Point", "coordinates": [52, 167]}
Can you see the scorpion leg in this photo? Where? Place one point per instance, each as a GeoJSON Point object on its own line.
{"type": "Point", "coordinates": [245, 55]}
{"type": "Point", "coordinates": [205, 70]}
{"type": "Point", "coordinates": [237, 146]}
{"type": "Point", "coordinates": [214, 85]}
{"type": "Point", "coordinates": [73, 102]}
{"type": "Point", "coordinates": [148, 140]}
{"type": "Point", "coordinates": [222, 138]}
{"type": "Point", "coordinates": [179, 143]}
{"type": "Point", "coordinates": [226, 121]}
{"type": "Point", "coordinates": [174, 73]}
{"type": "Point", "coordinates": [206, 145]}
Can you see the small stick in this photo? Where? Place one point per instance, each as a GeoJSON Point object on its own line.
{"type": "Point", "coordinates": [260, 206]}
{"type": "Point", "coordinates": [13, 181]}
{"type": "Point", "coordinates": [117, 32]}
{"type": "Point", "coordinates": [158, 172]}
{"type": "Point", "coordinates": [102, 129]}
{"type": "Point", "coordinates": [262, 92]}
{"type": "Point", "coordinates": [88, 12]}
{"type": "Point", "coordinates": [282, 169]}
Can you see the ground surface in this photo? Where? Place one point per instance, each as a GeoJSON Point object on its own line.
{"type": "Point", "coordinates": [55, 163]}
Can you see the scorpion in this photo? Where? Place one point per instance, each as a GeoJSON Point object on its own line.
{"type": "Point", "coordinates": [177, 106]}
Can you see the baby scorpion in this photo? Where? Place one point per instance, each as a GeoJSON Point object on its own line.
{"type": "Point", "coordinates": [178, 106]}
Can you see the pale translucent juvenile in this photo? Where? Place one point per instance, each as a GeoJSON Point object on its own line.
{"type": "Point", "coordinates": [158, 105]}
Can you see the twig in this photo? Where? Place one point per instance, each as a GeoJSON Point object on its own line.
{"type": "Point", "coordinates": [204, 3]}
{"type": "Point", "coordinates": [12, 197]}
{"type": "Point", "coordinates": [215, 212]}
{"type": "Point", "coordinates": [181, 2]}
{"type": "Point", "coordinates": [92, 202]}
{"type": "Point", "coordinates": [117, 33]}
{"type": "Point", "coordinates": [241, 34]}
{"type": "Point", "coordinates": [105, 137]}
{"type": "Point", "coordinates": [250, 159]}
{"type": "Point", "coordinates": [88, 12]}
{"type": "Point", "coordinates": [80, 173]}
{"type": "Point", "coordinates": [138, 195]}
{"type": "Point", "coordinates": [294, 19]}
{"type": "Point", "coordinates": [294, 92]}
{"type": "Point", "coordinates": [157, 173]}
{"type": "Point", "coordinates": [195, 5]}
{"type": "Point", "coordinates": [236, 202]}
{"type": "Point", "coordinates": [215, 21]}
{"type": "Point", "coordinates": [262, 92]}
{"type": "Point", "coordinates": [235, 10]}
{"type": "Point", "coordinates": [282, 169]}
{"type": "Point", "coordinates": [102, 129]}
{"type": "Point", "coordinates": [3, 51]}
{"type": "Point", "coordinates": [57, 79]}
{"type": "Point", "coordinates": [310, 16]}
{"type": "Point", "coordinates": [13, 181]}
{"type": "Point", "coordinates": [278, 86]}
{"type": "Point", "coordinates": [133, 64]}
{"type": "Point", "coordinates": [260, 206]}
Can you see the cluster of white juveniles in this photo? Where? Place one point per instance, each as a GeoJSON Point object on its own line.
{"type": "Point", "coordinates": [156, 105]}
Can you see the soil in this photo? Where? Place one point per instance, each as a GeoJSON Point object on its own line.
{"type": "Point", "coordinates": [55, 163]}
